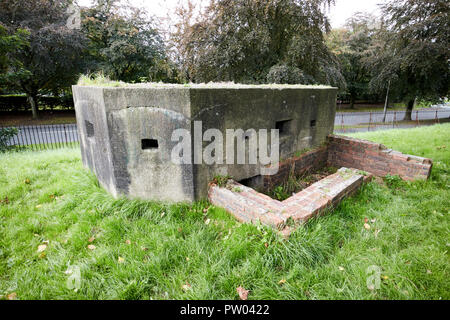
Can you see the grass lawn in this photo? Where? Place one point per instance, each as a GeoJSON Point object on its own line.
{"type": "Point", "coordinates": [55, 220]}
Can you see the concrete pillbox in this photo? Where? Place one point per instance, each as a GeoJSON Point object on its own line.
{"type": "Point", "coordinates": [125, 131]}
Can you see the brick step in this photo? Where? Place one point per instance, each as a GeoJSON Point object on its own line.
{"type": "Point", "coordinates": [249, 206]}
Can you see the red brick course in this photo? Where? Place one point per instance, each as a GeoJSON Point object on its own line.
{"type": "Point", "coordinates": [248, 205]}
{"type": "Point", "coordinates": [376, 158]}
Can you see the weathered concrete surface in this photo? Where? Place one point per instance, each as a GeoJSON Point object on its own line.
{"type": "Point", "coordinates": [113, 121]}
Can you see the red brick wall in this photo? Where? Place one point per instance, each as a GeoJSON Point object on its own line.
{"type": "Point", "coordinates": [311, 160]}
{"type": "Point", "coordinates": [376, 158]}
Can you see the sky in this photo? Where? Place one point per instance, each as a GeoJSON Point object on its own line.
{"type": "Point", "coordinates": [343, 9]}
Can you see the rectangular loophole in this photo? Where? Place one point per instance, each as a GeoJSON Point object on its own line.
{"type": "Point", "coordinates": [313, 123]}
{"type": "Point", "coordinates": [89, 128]}
{"type": "Point", "coordinates": [148, 144]}
{"type": "Point", "coordinates": [283, 126]}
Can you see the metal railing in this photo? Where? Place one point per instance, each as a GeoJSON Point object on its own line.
{"type": "Point", "coordinates": [347, 122]}
{"type": "Point", "coordinates": [43, 137]}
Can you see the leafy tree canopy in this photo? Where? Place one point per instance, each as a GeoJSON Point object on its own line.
{"type": "Point", "coordinates": [124, 44]}
{"type": "Point", "coordinates": [257, 41]}
{"type": "Point", "coordinates": [350, 44]}
{"type": "Point", "coordinates": [53, 57]}
{"type": "Point", "coordinates": [413, 50]}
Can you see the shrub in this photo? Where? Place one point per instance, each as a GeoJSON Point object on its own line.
{"type": "Point", "coordinates": [5, 135]}
{"type": "Point", "coordinates": [283, 74]}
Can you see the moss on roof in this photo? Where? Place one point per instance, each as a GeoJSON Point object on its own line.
{"type": "Point", "coordinates": [102, 81]}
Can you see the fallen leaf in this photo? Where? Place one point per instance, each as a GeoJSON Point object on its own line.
{"type": "Point", "coordinates": [243, 294]}
{"type": "Point", "coordinates": [128, 242]}
{"type": "Point", "coordinates": [27, 181]}
{"type": "Point", "coordinates": [186, 286]}
{"type": "Point", "coordinates": [207, 221]}
{"type": "Point", "coordinates": [180, 229]}
{"type": "Point", "coordinates": [162, 214]}
{"type": "Point", "coordinates": [12, 296]}
{"type": "Point", "coordinates": [41, 248]}
{"type": "Point", "coordinates": [91, 247]}
{"type": "Point", "coordinates": [281, 282]}
{"type": "Point", "coordinates": [266, 245]}
{"type": "Point", "coordinates": [42, 255]}
{"type": "Point", "coordinates": [366, 226]}
{"type": "Point", "coordinates": [341, 268]}
{"type": "Point", "coordinates": [429, 271]}
{"type": "Point", "coordinates": [144, 248]}
{"type": "Point", "coordinates": [121, 260]}
{"type": "Point", "coordinates": [91, 239]}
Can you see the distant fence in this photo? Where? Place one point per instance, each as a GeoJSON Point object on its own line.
{"type": "Point", "coordinates": [347, 122]}
{"type": "Point", "coordinates": [43, 137]}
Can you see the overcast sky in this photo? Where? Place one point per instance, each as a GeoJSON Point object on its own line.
{"type": "Point", "coordinates": [343, 9]}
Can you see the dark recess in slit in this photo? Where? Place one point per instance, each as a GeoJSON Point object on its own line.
{"type": "Point", "coordinates": [283, 126]}
{"type": "Point", "coordinates": [89, 128]}
{"type": "Point", "coordinates": [148, 144]}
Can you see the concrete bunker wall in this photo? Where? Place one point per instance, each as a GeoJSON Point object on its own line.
{"type": "Point", "coordinates": [125, 132]}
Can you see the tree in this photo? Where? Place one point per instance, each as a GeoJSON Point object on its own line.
{"type": "Point", "coordinates": [256, 41]}
{"type": "Point", "coordinates": [10, 43]}
{"type": "Point", "coordinates": [413, 50]}
{"type": "Point", "coordinates": [350, 45]}
{"type": "Point", "coordinates": [53, 58]}
{"type": "Point", "coordinates": [124, 44]}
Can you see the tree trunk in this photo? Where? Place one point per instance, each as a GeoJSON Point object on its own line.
{"type": "Point", "coordinates": [386, 102]}
{"type": "Point", "coordinates": [32, 99]}
{"type": "Point", "coordinates": [352, 102]}
{"type": "Point", "coordinates": [409, 110]}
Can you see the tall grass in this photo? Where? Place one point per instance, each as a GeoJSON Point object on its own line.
{"type": "Point", "coordinates": [149, 250]}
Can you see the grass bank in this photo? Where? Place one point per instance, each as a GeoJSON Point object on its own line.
{"type": "Point", "coordinates": [57, 223]}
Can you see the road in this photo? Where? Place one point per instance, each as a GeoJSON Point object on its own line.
{"type": "Point", "coordinates": [355, 118]}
